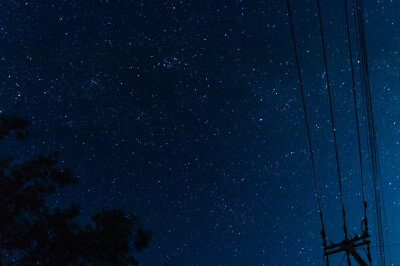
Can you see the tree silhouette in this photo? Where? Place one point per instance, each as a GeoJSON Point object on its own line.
{"type": "Point", "coordinates": [31, 233]}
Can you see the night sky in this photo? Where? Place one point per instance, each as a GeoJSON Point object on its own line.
{"type": "Point", "coordinates": [188, 114]}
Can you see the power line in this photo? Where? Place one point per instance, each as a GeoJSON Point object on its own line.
{"type": "Point", "coordinates": [355, 108]}
{"type": "Point", "coordinates": [373, 151]}
{"type": "Point", "coordinates": [323, 232]}
{"type": "Point", "coordinates": [365, 219]}
{"type": "Point", "coordinates": [356, 22]}
{"type": "Point", "coordinates": [347, 245]}
{"type": "Point", "coordinates": [332, 123]}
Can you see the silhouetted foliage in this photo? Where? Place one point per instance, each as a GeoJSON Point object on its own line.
{"type": "Point", "coordinates": [13, 124]}
{"type": "Point", "coordinates": [31, 233]}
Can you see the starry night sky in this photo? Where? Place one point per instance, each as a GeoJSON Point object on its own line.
{"type": "Point", "coordinates": [188, 114]}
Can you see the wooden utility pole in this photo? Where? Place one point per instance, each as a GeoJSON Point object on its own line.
{"type": "Point", "coordinates": [349, 246]}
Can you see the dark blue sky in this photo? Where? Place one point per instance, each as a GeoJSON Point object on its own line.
{"type": "Point", "coordinates": [188, 114]}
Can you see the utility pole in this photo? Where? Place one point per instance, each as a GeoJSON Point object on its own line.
{"type": "Point", "coordinates": [349, 246]}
